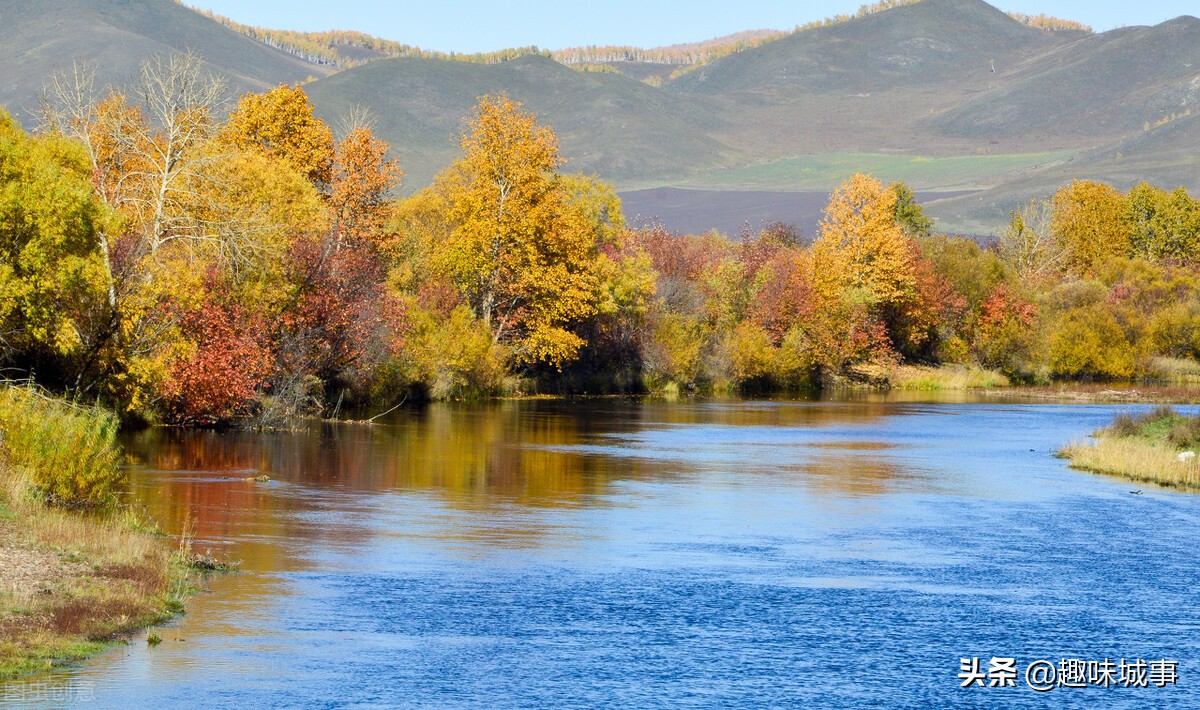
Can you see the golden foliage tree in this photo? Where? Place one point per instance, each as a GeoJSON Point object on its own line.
{"type": "Point", "coordinates": [1090, 224]}
{"type": "Point", "coordinates": [523, 246]}
{"type": "Point", "coordinates": [863, 252]}
{"type": "Point", "coordinates": [363, 179]}
{"type": "Point", "coordinates": [281, 122]}
{"type": "Point", "coordinates": [51, 276]}
{"type": "Point", "coordinates": [1163, 225]}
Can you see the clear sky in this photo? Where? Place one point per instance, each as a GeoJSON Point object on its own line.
{"type": "Point", "coordinates": [476, 25]}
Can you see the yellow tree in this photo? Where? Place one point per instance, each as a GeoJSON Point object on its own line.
{"type": "Point", "coordinates": [249, 207]}
{"type": "Point", "coordinates": [863, 252]}
{"type": "Point", "coordinates": [281, 122]}
{"type": "Point", "coordinates": [51, 278]}
{"type": "Point", "coordinates": [1090, 224]}
{"type": "Point", "coordinates": [522, 249]}
{"type": "Point", "coordinates": [1163, 225]}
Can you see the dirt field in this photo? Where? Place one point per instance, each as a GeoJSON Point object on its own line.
{"type": "Point", "coordinates": [727, 211]}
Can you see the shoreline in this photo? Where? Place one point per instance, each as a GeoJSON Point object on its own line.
{"type": "Point", "coordinates": [74, 585]}
{"type": "Point", "coordinates": [1157, 447]}
{"type": "Point", "coordinates": [1137, 462]}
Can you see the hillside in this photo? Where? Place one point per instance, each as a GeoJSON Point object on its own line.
{"type": "Point", "coordinates": [928, 43]}
{"type": "Point", "coordinates": [38, 37]}
{"type": "Point", "coordinates": [1103, 85]}
{"type": "Point", "coordinates": [607, 124]}
{"type": "Point", "coordinates": [947, 94]}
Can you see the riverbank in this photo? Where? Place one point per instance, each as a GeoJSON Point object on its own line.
{"type": "Point", "coordinates": [78, 570]}
{"type": "Point", "coordinates": [1157, 447]}
{"type": "Point", "coordinates": [72, 585]}
{"type": "Point", "coordinates": [1106, 393]}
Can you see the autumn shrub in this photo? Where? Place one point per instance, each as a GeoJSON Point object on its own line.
{"type": "Point", "coordinates": [69, 451]}
{"type": "Point", "coordinates": [757, 365]}
{"type": "Point", "coordinates": [751, 357]}
{"type": "Point", "coordinates": [973, 271]}
{"type": "Point", "coordinates": [221, 379]}
{"type": "Point", "coordinates": [454, 357]}
{"type": "Point", "coordinates": [1185, 434]}
{"type": "Point", "coordinates": [1174, 331]}
{"type": "Point", "coordinates": [794, 367]}
{"type": "Point", "coordinates": [671, 350]}
{"type": "Point", "coordinates": [840, 334]}
{"type": "Point", "coordinates": [1162, 423]}
{"type": "Point", "coordinates": [1003, 338]}
{"type": "Point", "coordinates": [1088, 343]}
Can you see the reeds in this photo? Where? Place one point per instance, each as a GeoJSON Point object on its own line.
{"type": "Point", "coordinates": [946, 377]}
{"type": "Point", "coordinates": [1144, 448]}
{"type": "Point", "coordinates": [70, 450]}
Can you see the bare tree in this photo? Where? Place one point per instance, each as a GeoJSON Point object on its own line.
{"type": "Point", "coordinates": [70, 107]}
{"type": "Point", "coordinates": [355, 117]}
{"type": "Point", "coordinates": [1028, 245]}
{"type": "Point", "coordinates": [178, 98]}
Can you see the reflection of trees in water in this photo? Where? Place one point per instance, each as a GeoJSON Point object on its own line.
{"type": "Point", "coordinates": [856, 468]}
{"type": "Point", "coordinates": [496, 459]}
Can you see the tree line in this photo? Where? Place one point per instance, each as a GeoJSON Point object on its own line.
{"type": "Point", "coordinates": [189, 267]}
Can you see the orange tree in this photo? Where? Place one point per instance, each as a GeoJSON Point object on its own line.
{"type": "Point", "coordinates": [867, 267]}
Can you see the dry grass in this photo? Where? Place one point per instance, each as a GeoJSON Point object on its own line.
{"type": "Point", "coordinates": [1176, 370]}
{"type": "Point", "coordinates": [95, 579]}
{"type": "Point", "coordinates": [1135, 459]}
{"type": "Point", "coordinates": [946, 377]}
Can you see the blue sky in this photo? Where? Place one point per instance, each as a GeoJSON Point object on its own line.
{"type": "Point", "coordinates": [475, 25]}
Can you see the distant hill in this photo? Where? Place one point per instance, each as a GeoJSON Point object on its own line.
{"type": "Point", "coordinates": [1102, 85]}
{"type": "Point", "coordinates": [607, 124]}
{"type": "Point", "coordinates": [38, 37]}
{"type": "Point", "coordinates": [926, 43]}
{"type": "Point", "coordinates": [946, 94]}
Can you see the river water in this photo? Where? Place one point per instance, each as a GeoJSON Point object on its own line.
{"type": "Point", "coordinates": [628, 553]}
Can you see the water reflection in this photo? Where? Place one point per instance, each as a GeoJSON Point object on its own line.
{"type": "Point", "coordinates": [609, 551]}
{"type": "Point", "coordinates": [528, 453]}
{"type": "Point", "coordinates": [483, 472]}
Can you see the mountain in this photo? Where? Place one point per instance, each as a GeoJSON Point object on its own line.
{"type": "Point", "coordinates": [1101, 85]}
{"type": "Point", "coordinates": [945, 94]}
{"type": "Point", "coordinates": [38, 37]}
{"type": "Point", "coordinates": [608, 124]}
{"type": "Point", "coordinates": [928, 43]}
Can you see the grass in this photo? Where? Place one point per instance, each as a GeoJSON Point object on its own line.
{"type": "Point", "coordinates": [68, 450]}
{"type": "Point", "coordinates": [99, 580]}
{"type": "Point", "coordinates": [827, 170]}
{"type": "Point", "coordinates": [1176, 370]}
{"type": "Point", "coordinates": [77, 571]}
{"type": "Point", "coordinates": [946, 377]}
{"type": "Point", "coordinates": [1144, 448]}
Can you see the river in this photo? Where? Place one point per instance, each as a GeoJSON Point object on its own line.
{"type": "Point", "coordinates": [631, 553]}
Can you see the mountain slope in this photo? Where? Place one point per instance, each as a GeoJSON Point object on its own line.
{"type": "Point", "coordinates": [928, 43]}
{"type": "Point", "coordinates": [606, 123]}
{"type": "Point", "coordinates": [38, 37]}
{"type": "Point", "coordinates": [1103, 85]}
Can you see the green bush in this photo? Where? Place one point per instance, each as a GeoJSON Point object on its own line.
{"type": "Point", "coordinates": [69, 451]}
